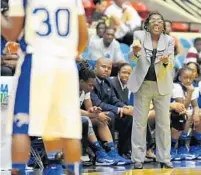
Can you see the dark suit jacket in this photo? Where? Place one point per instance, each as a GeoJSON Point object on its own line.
{"type": "Point", "coordinates": [105, 97]}
{"type": "Point", "coordinates": [120, 93]}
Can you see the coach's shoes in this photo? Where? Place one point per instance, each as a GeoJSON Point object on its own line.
{"type": "Point", "coordinates": [138, 165]}
{"type": "Point", "coordinates": [166, 165]}
{"type": "Point", "coordinates": [102, 158]}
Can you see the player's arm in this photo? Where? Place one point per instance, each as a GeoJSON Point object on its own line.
{"type": "Point", "coordinates": [83, 32]}
{"type": "Point", "coordinates": [12, 25]}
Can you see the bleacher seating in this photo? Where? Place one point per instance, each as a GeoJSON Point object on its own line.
{"type": "Point", "coordinates": [180, 27]}
{"type": "Point", "coordinates": [89, 9]}
{"type": "Point", "coordinates": [141, 8]}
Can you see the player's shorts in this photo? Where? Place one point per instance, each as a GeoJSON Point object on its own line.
{"type": "Point", "coordinates": [45, 100]}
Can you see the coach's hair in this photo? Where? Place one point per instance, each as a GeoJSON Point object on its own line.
{"type": "Point", "coordinates": [146, 23]}
{"type": "Point", "coordinates": [85, 72]}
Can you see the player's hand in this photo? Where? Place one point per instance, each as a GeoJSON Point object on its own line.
{"type": "Point", "coordinates": [136, 47]}
{"type": "Point", "coordinates": [9, 57]}
{"type": "Point", "coordinates": [94, 109]}
{"type": "Point", "coordinates": [9, 60]}
{"type": "Point", "coordinates": [127, 16]}
{"type": "Point", "coordinates": [165, 59]}
{"type": "Point", "coordinates": [196, 120]}
{"type": "Point", "coordinates": [190, 88]}
{"type": "Point", "coordinates": [121, 112]}
{"type": "Point", "coordinates": [115, 20]}
{"type": "Point", "coordinates": [103, 118]}
{"type": "Point", "coordinates": [179, 107]}
{"type": "Point", "coordinates": [128, 110]}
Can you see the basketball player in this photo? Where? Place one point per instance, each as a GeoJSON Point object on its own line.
{"type": "Point", "coordinates": [46, 99]}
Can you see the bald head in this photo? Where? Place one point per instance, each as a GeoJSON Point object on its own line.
{"type": "Point", "coordinates": [103, 68]}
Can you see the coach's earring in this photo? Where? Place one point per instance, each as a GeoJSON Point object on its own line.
{"type": "Point", "coordinates": [166, 165]}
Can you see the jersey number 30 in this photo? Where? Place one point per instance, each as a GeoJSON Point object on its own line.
{"type": "Point", "coordinates": [59, 15]}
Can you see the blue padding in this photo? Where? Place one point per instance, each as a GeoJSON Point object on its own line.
{"type": "Point", "coordinates": [179, 61]}
{"type": "Point", "coordinates": [185, 43]}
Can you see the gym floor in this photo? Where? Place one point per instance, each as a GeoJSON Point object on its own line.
{"type": "Point", "coordinates": [180, 168]}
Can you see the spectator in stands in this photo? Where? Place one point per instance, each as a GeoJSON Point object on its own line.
{"type": "Point", "coordinates": [125, 19]}
{"type": "Point", "coordinates": [106, 47]}
{"type": "Point", "coordinates": [194, 53]}
{"type": "Point", "coordinates": [177, 47]}
{"type": "Point", "coordinates": [104, 96]}
{"type": "Point", "coordinates": [100, 29]}
{"type": "Point", "coordinates": [101, 5]}
{"type": "Point", "coordinates": [151, 80]}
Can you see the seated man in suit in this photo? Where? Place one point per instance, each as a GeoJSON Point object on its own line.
{"type": "Point", "coordinates": [105, 154]}
{"type": "Point", "coordinates": [103, 96]}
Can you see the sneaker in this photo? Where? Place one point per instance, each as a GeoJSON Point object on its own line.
{"type": "Point", "coordinates": [119, 159]}
{"type": "Point", "coordinates": [184, 153]}
{"type": "Point", "coordinates": [196, 150]}
{"type": "Point", "coordinates": [174, 155]}
{"type": "Point", "coordinates": [102, 158]}
{"type": "Point", "coordinates": [53, 169]}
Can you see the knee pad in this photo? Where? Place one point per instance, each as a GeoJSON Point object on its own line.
{"type": "Point", "coordinates": [178, 121]}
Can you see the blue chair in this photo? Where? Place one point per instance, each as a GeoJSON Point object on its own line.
{"type": "Point", "coordinates": [92, 63]}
